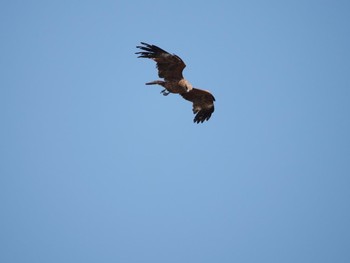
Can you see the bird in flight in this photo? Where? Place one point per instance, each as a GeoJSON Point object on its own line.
{"type": "Point", "coordinates": [170, 67]}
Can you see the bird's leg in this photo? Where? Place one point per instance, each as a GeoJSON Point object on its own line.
{"type": "Point", "coordinates": [165, 92]}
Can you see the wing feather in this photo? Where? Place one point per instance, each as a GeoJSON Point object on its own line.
{"type": "Point", "coordinates": [203, 104]}
{"type": "Point", "coordinates": [170, 66]}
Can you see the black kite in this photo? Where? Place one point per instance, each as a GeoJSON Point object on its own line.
{"type": "Point", "coordinates": [170, 67]}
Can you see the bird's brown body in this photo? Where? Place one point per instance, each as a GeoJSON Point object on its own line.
{"type": "Point", "coordinates": [173, 86]}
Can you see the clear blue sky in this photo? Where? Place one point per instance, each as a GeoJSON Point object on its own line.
{"type": "Point", "coordinates": [97, 167]}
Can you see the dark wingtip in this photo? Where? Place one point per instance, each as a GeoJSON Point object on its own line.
{"type": "Point", "coordinates": [150, 50]}
{"type": "Point", "coordinates": [203, 115]}
{"type": "Point", "coordinates": [145, 44]}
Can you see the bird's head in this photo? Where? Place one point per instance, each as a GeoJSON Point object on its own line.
{"type": "Point", "coordinates": [186, 84]}
{"type": "Point", "coordinates": [189, 87]}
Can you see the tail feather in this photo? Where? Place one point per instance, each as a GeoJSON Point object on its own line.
{"type": "Point", "coordinates": [156, 82]}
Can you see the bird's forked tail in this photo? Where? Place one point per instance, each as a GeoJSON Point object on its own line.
{"type": "Point", "coordinates": [156, 82]}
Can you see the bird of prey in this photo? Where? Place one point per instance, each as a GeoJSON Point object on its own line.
{"type": "Point", "coordinates": [170, 67]}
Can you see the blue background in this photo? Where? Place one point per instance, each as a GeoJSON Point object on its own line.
{"type": "Point", "coordinates": [97, 167]}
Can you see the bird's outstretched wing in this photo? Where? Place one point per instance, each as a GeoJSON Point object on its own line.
{"type": "Point", "coordinates": [170, 66]}
{"type": "Point", "coordinates": [203, 104]}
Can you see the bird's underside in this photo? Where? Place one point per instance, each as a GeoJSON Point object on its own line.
{"type": "Point", "coordinates": [170, 67]}
{"type": "Point", "coordinates": [172, 86]}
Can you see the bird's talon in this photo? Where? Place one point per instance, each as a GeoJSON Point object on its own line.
{"type": "Point", "coordinates": [165, 92]}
